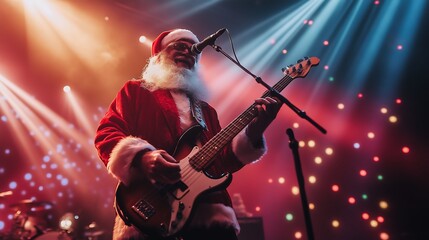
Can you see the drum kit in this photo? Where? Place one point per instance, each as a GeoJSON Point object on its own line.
{"type": "Point", "coordinates": [33, 220]}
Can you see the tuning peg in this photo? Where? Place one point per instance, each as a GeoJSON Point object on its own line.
{"type": "Point", "coordinates": [300, 60]}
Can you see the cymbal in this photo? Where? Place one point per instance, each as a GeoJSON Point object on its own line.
{"type": "Point", "coordinates": [31, 205]}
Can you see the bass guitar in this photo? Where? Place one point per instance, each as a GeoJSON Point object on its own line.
{"type": "Point", "coordinates": [163, 210]}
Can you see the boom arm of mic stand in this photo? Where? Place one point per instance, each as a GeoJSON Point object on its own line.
{"type": "Point", "coordinates": [274, 92]}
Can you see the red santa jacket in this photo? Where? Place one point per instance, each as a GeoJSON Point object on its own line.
{"type": "Point", "coordinates": [153, 116]}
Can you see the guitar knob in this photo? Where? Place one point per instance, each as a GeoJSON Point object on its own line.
{"type": "Point", "coordinates": [173, 224]}
{"type": "Point", "coordinates": [179, 215]}
{"type": "Point", "coordinates": [181, 206]}
{"type": "Point", "coordinates": [163, 227]}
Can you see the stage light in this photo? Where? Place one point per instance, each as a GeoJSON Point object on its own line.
{"type": "Point", "coordinates": [329, 151]}
{"type": "Point", "coordinates": [295, 190]}
{"type": "Point", "coordinates": [383, 204]}
{"type": "Point", "coordinates": [384, 236]}
{"type": "Point", "coordinates": [142, 39]}
{"type": "Point", "coordinates": [66, 89]}
{"type": "Point", "coordinates": [393, 119]}
{"type": "Point", "coordinates": [318, 160]}
{"type": "Point", "coordinates": [312, 179]}
{"type": "Point", "coordinates": [405, 149]}
{"type": "Point", "coordinates": [298, 235]}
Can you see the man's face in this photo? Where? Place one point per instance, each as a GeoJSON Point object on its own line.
{"type": "Point", "coordinates": [180, 53]}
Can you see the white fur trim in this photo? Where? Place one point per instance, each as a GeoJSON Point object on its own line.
{"type": "Point", "coordinates": [207, 215]}
{"type": "Point", "coordinates": [122, 155]}
{"type": "Point", "coordinates": [121, 231]}
{"type": "Point", "coordinates": [178, 34]}
{"type": "Point", "coordinates": [244, 150]}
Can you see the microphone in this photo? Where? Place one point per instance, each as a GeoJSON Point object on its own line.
{"type": "Point", "coordinates": [198, 47]}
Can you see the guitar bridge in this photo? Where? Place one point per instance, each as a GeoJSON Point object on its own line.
{"type": "Point", "coordinates": [144, 209]}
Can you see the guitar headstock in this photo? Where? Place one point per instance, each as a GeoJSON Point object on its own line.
{"type": "Point", "coordinates": [301, 68]}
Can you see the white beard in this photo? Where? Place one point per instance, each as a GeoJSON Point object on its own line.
{"type": "Point", "coordinates": [162, 73]}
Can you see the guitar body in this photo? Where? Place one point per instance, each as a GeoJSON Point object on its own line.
{"type": "Point", "coordinates": [163, 210]}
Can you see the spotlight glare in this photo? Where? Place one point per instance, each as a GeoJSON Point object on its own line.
{"type": "Point", "coordinates": [142, 39]}
{"type": "Point", "coordinates": [66, 89]}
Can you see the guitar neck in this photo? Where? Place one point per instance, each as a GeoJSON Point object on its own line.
{"type": "Point", "coordinates": [207, 153]}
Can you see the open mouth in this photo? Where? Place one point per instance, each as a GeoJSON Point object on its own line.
{"type": "Point", "coordinates": [187, 60]}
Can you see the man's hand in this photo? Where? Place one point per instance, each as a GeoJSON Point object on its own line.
{"type": "Point", "coordinates": [267, 111]}
{"type": "Point", "coordinates": [160, 166]}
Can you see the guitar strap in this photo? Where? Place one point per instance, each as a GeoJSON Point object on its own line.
{"type": "Point", "coordinates": [197, 112]}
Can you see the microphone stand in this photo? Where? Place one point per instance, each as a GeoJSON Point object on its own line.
{"type": "Point", "coordinates": [274, 92]}
{"type": "Point", "coordinates": [293, 143]}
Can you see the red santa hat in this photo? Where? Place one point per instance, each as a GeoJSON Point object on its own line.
{"type": "Point", "coordinates": [169, 36]}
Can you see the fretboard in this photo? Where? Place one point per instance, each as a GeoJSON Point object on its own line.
{"type": "Point", "coordinates": [207, 153]}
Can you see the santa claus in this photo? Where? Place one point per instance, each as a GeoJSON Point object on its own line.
{"type": "Point", "coordinates": [138, 135]}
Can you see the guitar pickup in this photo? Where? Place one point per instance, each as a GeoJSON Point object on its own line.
{"type": "Point", "coordinates": [144, 209]}
{"type": "Point", "coordinates": [178, 190]}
